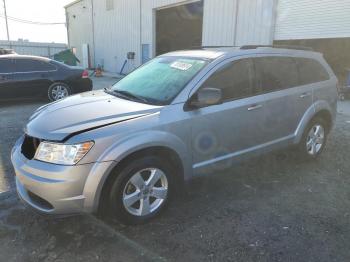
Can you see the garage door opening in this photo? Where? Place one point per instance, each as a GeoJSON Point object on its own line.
{"type": "Point", "coordinates": [179, 27]}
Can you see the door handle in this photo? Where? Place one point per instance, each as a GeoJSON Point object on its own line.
{"type": "Point", "coordinates": [303, 95]}
{"type": "Point", "coordinates": [254, 107]}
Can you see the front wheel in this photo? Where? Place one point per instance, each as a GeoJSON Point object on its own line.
{"type": "Point", "coordinates": [314, 139]}
{"type": "Point", "coordinates": [58, 91]}
{"type": "Point", "coordinates": [141, 190]}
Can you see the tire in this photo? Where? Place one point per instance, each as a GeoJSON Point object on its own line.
{"type": "Point", "coordinates": [132, 189]}
{"type": "Point", "coordinates": [313, 140]}
{"type": "Point", "coordinates": [58, 91]}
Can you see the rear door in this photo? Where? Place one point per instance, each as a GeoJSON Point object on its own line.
{"type": "Point", "coordinates": [286, 100]}
{"type": "Point", "coordinates": [33, 77]}
{"type": "Point", "coordinates": [7, 86]}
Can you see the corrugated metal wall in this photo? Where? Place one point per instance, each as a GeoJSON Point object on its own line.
{"type": "Point", "coordinates": [117, 32]}
{"type": "Point", "coordinates": [33, 48]}
{"type": "Point", "coordinates": [256, 22]}
{"type": "Point", "coordinates": [80, 27]}
{"type": "Point", "coordinates": [301, 19]}
{"type": "Point", "coordinates": [253, 20]}
{"type": "Point", "coordinates": [219, 24]}
{"type": "Point", "coordinates": [238, 22]}
{"type": "Point", "coordinates": [120, 30]}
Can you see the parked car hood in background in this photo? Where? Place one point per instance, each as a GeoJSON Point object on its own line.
{"type": "Point", "coordinates": [82, 112]}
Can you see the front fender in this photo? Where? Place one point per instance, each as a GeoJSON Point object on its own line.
{"type": "Point", "coordinates": [142, 140]}
{"type": "Point", "coordinates": [123, 148]}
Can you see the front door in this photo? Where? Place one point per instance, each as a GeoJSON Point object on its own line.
{"type": "Point", "coordinates": [228, 131]}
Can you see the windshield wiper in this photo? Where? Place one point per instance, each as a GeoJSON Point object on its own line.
{"type": "Point", "coordinates": [127, 95]}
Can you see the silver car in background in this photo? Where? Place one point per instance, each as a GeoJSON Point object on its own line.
{"type": "Point", "coordinates": [126, 150]}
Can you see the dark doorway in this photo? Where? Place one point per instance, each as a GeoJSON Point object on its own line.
{"type": "Point", "coordinates": [179, 27]}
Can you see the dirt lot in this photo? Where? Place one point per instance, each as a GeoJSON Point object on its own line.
{"type": "Point", "coordinates": [269, 209]}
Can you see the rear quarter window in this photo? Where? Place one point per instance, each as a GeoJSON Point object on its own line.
{"type": "Point", "coordinates": [311, 71]}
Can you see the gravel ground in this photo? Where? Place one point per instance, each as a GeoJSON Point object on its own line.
{"type": "Point", "coordinates": [273, 208]}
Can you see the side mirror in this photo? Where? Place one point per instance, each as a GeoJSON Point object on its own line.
{"type": "Point", "coordinates": [205, 97]}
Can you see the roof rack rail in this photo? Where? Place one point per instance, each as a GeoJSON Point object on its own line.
{"type": "Point", "coordinates": [214, 46]}
{"type": "Point", "coordinates": [295, 47]}
{"type": "Point", "coordinates": [247, 47]}
{"type": "Point", "coordinates": [4, 51]}
{"type": "Point", "coordinates": [220, 46]}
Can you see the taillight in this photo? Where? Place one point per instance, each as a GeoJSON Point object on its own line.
{"type": "Point", "coordinates": [85, 74]}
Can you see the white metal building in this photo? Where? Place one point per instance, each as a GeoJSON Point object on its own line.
{"type": "Point", "coordinates": [79, 29]}
{"type": "Point", "coordinates": [321, 24]}
{"type": "Point", "coordinates": [120, 26]}
{"type": "Point", "coordinates": [312, 19]}
{"type": "Point", "coordinates": [112, 28]}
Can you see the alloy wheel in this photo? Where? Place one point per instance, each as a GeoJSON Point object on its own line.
{"type": "Point", "coordinates": [315, 140]}
{"type": "Point", "coordinates": [59, 92]}
{"type": "Point", "coordinates": [145, 192]}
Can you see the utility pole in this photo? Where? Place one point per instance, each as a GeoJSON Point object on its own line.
{"type": "Point", "coordinates": [7, 26]}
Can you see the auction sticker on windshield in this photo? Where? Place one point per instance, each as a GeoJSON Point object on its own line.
{"type": "Point", "coordinates": [181, 65]}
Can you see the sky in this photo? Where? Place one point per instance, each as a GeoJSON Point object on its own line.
{"type": "Point", "coordinates": [48, 11]}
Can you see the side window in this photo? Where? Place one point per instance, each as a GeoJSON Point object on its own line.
{"type": "Point", "coordinates": [234, 79]}
{"type": "Point", "coordinates": [276, 73]}
{"type": "Point", "coordinates": [24, 65]}
{"type": "Point", "coordinates": [29, 65]}
{"type": "Point", "coordinates": [6, 66]}
{"type": "Point", "coordinates": [46, 66]}
{"type": "Point", "coordinates": [311, 71]}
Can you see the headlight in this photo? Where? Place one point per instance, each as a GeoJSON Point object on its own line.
{"type": "Point", "coordinates": [62, 154]}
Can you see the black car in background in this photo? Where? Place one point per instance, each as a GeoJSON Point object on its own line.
{"type": "Point", "coordinates": [32, 76]}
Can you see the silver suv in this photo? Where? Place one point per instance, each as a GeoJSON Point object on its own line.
{"type": "Point", "coordinates": [129, 148]}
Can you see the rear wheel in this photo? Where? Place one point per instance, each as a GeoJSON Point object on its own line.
{"type": "Point", "coordinates": [314, 139]}
{"type": "Point", "coordinates": [58, 91]}
{"type": "Point", "coordinates": [141, 190]}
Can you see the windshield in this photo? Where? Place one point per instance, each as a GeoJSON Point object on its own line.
{"type": "Point", "coordinates": [160, 80]}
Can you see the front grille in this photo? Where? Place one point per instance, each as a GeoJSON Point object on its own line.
{"type": "Point", "coordinates": [29, 146]}
{"type": "Point", "coordinates": [39, 201]}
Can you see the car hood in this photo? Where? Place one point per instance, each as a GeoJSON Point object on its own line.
{"type": "Point", "coordinates": [83, 112]}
